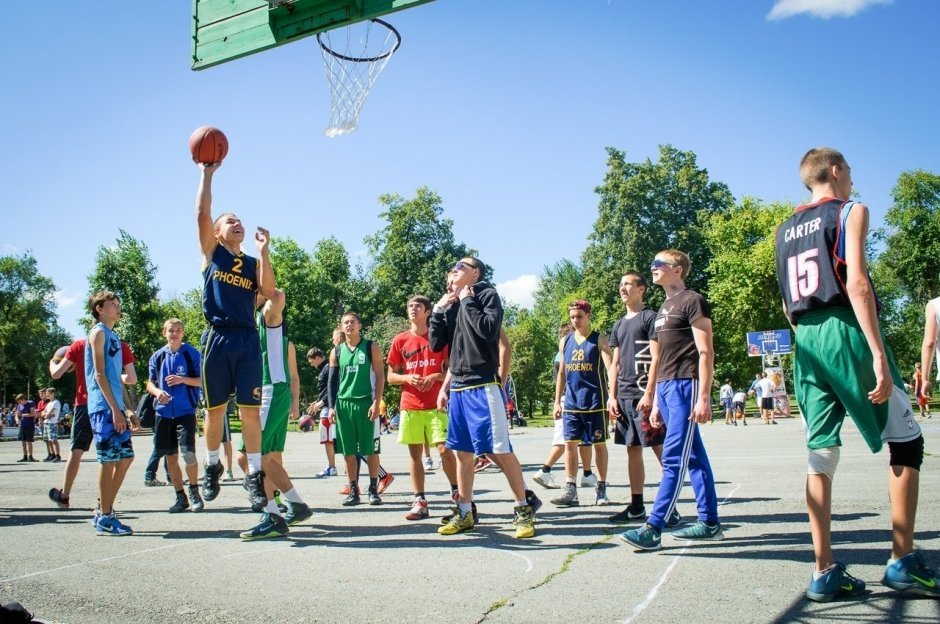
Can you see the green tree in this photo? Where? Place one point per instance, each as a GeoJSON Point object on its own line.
{"type": "Point", "coordinates": [907, 274]}
{"type": "Point", "coordinates": [742, 282]}
{"type": "Point", "coordinates": [558, 285]}
{"type": "Point", "coordinates": [382, 330]}
{"type": "Point", "coordinates": [29, 332]}
{"type": "Point", "coordinates": [412, 253]}
{"type": "Point", "coordinates": [644, 208]}
{"type": "Point", "coordinates": [533, 346]}
{"type": "Point", "coordinates": [187, 308]}
{"type": "Point", "coordinates": [126, 270]}
{"type": "Point", "coordinates": [331, 271]}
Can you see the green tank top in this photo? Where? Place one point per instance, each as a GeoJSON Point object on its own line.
{"type": "Point", "coordinates": [356, 380]}
{"type": "Point", "coordinates": [274, 369]}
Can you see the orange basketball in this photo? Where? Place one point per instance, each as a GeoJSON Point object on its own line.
{"type": "Point", "coordinates": [208, 145]}
{"type": "Point", "coordinates": [59, 354]}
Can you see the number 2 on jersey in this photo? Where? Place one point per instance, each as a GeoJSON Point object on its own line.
{"type": "Point", "coordinates": [803, 271]}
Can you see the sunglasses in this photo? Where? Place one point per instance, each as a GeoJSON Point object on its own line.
{"type": "Point", "coordinates": [658, 264]}
{"type": "Point", "coordinates": [463, 265]}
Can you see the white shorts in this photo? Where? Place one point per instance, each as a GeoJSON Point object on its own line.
{"type": "Point", "coordinates": [327, 429]}
{"type": "Point", "coordinates": [558, 437]}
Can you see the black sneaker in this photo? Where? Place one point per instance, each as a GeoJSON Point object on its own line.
{"type": "Point", "coordinates": [374, 497]}
{"type": "Point", "coordinates": [195, 499]}
{"type": "Point", "coordinates": [49, 458]}
{"type": "Point", "coordinates": [254, 483]}
{"type": "Point", "coordinates": [33, 459]}
{"type": "Point", "coordinates": [271, 525]}
{"type": "Point", "coordinates": [628, 514]}
{"type": "Point", "coordinates": [353, 498]}
{"type": "Point", "coordinates": [674, 520]}
{"type": "Point", "coordinates": [297, 513]}
{"type": "Point", "coordinates": [180, 505]}
{"type": "Point", "coordinates": [55, 495]}
{"type": "Point", "coordinates": [210, 482]}
{"type": "Point", "coordinates": [25, 459]}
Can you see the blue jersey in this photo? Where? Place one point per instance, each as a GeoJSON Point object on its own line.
{"type": "Point", "coordinates": [186, 362]}
{"type": "Point", "coordinates": [228, 294]}
{"type": "Point", "coordinates": [112, 372]}
{"type": "Point", "coordinates": [585, 390]}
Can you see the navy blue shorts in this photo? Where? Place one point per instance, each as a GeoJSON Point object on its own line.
{"type": "Point", "coordinates": [111, 445]}
{"type": "Point", "coordinates": [585, 427]}
{"type": "Point", "coordinates": [231, 363]}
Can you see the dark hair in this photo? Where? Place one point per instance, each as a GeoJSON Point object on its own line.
{"type": "Point", "coordinates": [351, 313]}
{"type": "Point", "coordinates": [639, 279]}
{"type": "Point", "coordinates": [314, 353]}
{"type": "Point", "coordinates": [97, 299]}
{"type": "Point", "coordinates": [476, 263]}
{"type": "Point", "coordinates": [422, 300]}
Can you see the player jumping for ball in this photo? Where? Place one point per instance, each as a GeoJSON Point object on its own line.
{"type": "Point", "coordinates": [231, 345]}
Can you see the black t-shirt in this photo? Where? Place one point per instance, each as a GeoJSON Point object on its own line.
{"type": "Point", "coordinates": [632, 336]}
{"type": "Point", "coordinates": [678, 355]}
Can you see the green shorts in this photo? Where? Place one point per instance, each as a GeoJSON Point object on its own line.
{"type": "Point", "coordinates": [275, 413]}
{"type": "Point", "coordinates": [833, 375]}
{"type": "Point", "coordinates": [355, 433]}
{"type": "Point", "coordinates": [417, 425]}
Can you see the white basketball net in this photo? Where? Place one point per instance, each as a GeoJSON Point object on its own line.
{"type": "Point", "coordinates": [354, 57]}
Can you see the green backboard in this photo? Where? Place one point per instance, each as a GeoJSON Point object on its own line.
{"type": "Point", "coordinates": [224, 30]}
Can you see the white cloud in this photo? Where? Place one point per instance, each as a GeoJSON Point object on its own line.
{"type": "Point", "coordinates": [65, 299]}
{"type": "Point", "coordinates": [520, 291]}
{"type": "Point", "coordinates": [824, 9]}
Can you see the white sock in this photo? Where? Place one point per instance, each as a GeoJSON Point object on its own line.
{"type": "Point", "coordinates": [464, 508]}
{"type": "Point", "coordinates": [521, 503]}
{"type": "Point", "coordinates": [272, 508]}
{"type": "Point", "coordinates": [292, 496]}
{"type": "Point", "coordinates": [818, 575]}
{"type": "Point", "coordinates": [254, 463]}
{"type": "Point", "coordinates": [212, 457]}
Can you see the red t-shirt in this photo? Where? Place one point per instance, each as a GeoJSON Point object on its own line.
{"type": "Point", "coordinates": [414, 356]}
{"type": "Point", "coordinates": [76, 355]}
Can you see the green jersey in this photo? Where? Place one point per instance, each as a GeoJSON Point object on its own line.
{"type": "Point", "coordinates": [274, 369]}
{"type": "Point", "coordinates": [356, 379]}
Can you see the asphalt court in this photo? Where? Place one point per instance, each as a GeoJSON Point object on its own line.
{"type": "Point", "coordinates": [369, 564]}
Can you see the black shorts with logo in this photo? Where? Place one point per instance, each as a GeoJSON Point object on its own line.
{"type": "Point", "coordinates": [633, 427]}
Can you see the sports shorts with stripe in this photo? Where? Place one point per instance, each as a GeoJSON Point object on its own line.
{"type": "Point", "coordinates": [355, 433]}
{"type": "Point", "coordinates": [327, 429]}
{"type": "Point", "coordinates": [275, 413]}
{"type": "Point", "coordinates": [833, 374]}
{"type": "Point", "coordinates": [231, 363]}
{"type": "Point", "coordinates": [476, 420]}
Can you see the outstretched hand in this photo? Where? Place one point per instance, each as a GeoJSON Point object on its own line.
{"type": "Point", "coordinates": [262, 240]}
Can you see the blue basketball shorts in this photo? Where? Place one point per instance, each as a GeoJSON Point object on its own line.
{"type": "Point", "coordinates": [231, 363]}
{"type": "Point", "coordinates": [476, 420]}
{"type": "Point", "coordinates": [111, 445]}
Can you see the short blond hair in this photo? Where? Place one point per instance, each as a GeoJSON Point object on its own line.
{"type": "Point", "coordinates": [679, 258]}
{"type": "Point", "coordinates": [816, 163]}
{"type": "Point", "coordinates": [170, 322]}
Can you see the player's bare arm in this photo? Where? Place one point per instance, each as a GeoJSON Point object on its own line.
{"type": "Point", "coordinates": [702, 334]}
{"type": "Point", "coordinates": [613, 372]}
{"type": "Point", "coordinates": [927, 347]}
{"type": "Point", "coordinates": [379, 373]}
{"type": "Point", "coordinates": [204, 224]}
{"type": "Point", "coordinates": [267, 285]}
{"type": "Point", "coordinates": [862, 297]}
{"type": "Point", "coordinates": [57, 369]}
{"type": "Point", "coordinates": [294, 381]}
{"type": "Point", "coordinates": [505, 355]}
{"type": "Point", "coordinates": [559, 380]}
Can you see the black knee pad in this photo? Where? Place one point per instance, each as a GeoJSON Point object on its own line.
{"type": "Point", "coordinates": [909, 454]}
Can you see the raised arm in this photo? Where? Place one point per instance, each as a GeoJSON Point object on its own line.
{"type": "Point", "coordinates": [204, 224]}
{"type": "Point", "coordinates": [267, 285]}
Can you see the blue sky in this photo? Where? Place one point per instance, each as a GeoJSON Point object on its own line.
{"type": "Point", "coordinates": [502, 107]}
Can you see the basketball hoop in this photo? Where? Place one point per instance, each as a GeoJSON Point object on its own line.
{"type": "Point", "coordinates": [352, 72]}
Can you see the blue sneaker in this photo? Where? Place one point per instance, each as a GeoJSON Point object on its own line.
{"type": "Point", "coordinates": [837, 582]}
{"type": "Point", "coordinates": [910, 575]}
{"type": "Point", "coordinates": [329, 471]}
{"type": "Point", "coordinates": [643, 538]}
{"type": "Point", "coordinates": [110, 525]}
{"type": "Point", "coordinates": [700, 532]}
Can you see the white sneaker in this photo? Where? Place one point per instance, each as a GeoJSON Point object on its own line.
{"type": "Point", "coordinates": [589, 481]}
{"type": "Point", "coordinates": [428, 463]}
{"type": "Point", "coordinates": [546, 480]}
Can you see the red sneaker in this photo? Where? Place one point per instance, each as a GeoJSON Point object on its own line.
{"type": "Point", "coordinates": [385, 481]}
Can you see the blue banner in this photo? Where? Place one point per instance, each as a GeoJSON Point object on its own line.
{"type": "Point", "coordinates": [770, 341]}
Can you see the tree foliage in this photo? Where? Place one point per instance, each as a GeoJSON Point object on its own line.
{"type": "Point", "coordinates": [29, 332]}
{"type": "Point", "coordinates": [742, 282]}
{"type": "Point", "coordinates": [646, 207]}
{"type": "Point", "coordinates": [533, 346]}
{"type": "Point", "coordinates": [126, 270]}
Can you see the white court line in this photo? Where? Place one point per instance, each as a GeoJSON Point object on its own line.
{"type": "Point", "coordinates": [515, 554]}
{"type": "Point", "coordinates": [93, 561]}
{"type": "Point", "coordinates": [637, 610]}
{"type": "Point", "coordinates": [256, 552]}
